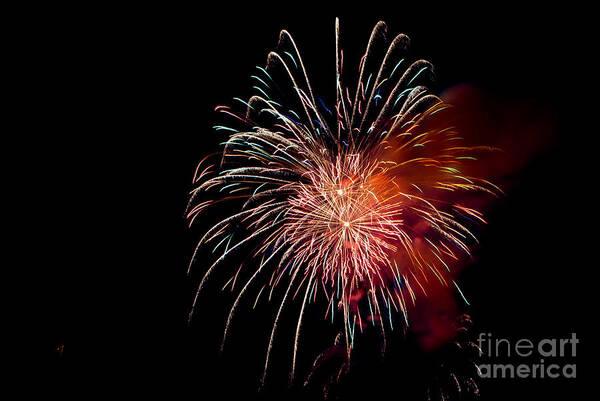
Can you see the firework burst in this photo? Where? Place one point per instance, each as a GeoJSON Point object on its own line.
{"type": "Point", "coordinates": [356, 205]}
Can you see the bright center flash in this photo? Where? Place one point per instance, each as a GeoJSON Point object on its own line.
{"type": "Point", "coordinates": [341, 192]}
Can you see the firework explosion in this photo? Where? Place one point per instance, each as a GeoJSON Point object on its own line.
{"type": "Point", "coordinates": [356, 206]}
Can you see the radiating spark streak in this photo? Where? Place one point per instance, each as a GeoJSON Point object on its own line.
{"type": "Point", "coordinates": [270, 347]}
{"type": "Point", "coordinates": [239, 297]}
{"type": "Point", "coordinates": [297, 337]}
{"type": "Point", "coordinates": [461, 293]}
{"type": "Point", "coordinates": [221, 258]}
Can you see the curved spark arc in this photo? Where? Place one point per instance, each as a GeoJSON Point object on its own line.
{"type": "Point", "coordinates": [359, 210]}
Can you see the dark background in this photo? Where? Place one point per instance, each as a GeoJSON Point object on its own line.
{"type": "Point", "coordinates": [123, 102]}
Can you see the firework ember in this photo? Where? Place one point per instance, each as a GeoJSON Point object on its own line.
{"type": "Point", "coordinates": [359, 205]}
